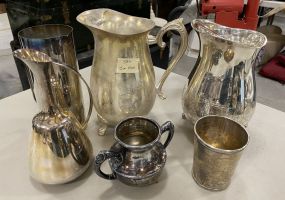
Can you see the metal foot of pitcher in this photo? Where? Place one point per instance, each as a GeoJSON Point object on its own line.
{"type": "Point", "coordinates": [102, 129]}
{"type": "Point", "coordinates": [102, 126]}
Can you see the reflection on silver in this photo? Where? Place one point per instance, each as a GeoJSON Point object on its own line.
{"type": "Point", "coordinates": [223, 81]}
{"type": "Point", "coordinates": [138, 157]}
{"type": "Point", "coordinates": [59, 151]}
{"type": "Point", "coordinates": [56, 41]}
{"type": "Point", "coordinates": [122, 77]}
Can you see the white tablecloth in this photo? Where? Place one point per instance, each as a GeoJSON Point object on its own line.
{"type": "Point", "coordinates": [259, 175]}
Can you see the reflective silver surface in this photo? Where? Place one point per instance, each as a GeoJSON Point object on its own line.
{"type": "Point", "coordinates": [59, 151]}
{"type": "Point", "coordinates": [122, 77]}
{"type": "Point", "coordinates": [218, 145]}
{"type": "Point", "coordinates": [223, 81]}
{"type": "Point", "coordinates": [56, 41]}
{"type": "Point", "coordinates": [138, 157]}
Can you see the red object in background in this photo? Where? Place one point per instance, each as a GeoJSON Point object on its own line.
{"type": "Point", "coordinates": [228, 11]}
{"type": "Point", "coordinates": [275, 69]}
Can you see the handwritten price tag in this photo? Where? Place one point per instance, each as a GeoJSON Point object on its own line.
{"type": "Point", "coordinates": [127, 65]}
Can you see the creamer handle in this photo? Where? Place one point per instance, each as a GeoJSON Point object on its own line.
{"type": "Point", "coordinates": [101, 158]}
{"type": "Point", "coordinates": [167, 127]}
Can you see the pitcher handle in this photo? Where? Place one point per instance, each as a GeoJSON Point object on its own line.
{"type": "Point", "coordinates": [84, 124]}
{"type": "Point", "coordinates": [175, 25]}
{"type": "Point", "coordinates": [101, 158]}
{"type": "Point", "coordinates": [167, 126]}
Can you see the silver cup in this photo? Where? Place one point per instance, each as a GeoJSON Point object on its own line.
{"type": "Point", "coordinates": [218, 145]}
{"type": "Point", "coordinates": [56, 40]}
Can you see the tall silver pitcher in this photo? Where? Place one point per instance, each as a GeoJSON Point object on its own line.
{"type": "Point", "coordinates": [122, 77]}
{"type": "Point", "coordinates": [223, 79]}
{"type": "Point", "coordinates": [59, 151]}
{"type": "Point", "coordinates": [56, 40]}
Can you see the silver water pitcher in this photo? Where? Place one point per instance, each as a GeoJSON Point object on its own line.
{"type": "Point", "coordinates": [223, 79]}
{"type": "Point", "coordinates": [122, 77]}
{"type": "Point", "coordinates": [59, 151]}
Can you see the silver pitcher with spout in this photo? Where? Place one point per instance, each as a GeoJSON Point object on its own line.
{"type": "Point", "coordinates": [122, 77]}
{"type": "Point", "coordinates": [223, 79]}
{"type": "Point", "coordinates": [59, 151]}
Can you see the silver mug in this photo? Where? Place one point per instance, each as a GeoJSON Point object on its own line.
{"type": "Point", "coordinates": [138, 157]}
{"type": "Point", "coordinates": [218, 146]}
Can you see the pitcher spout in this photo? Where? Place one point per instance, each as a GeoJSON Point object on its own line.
{"type": "Point", "coordinates": [113, 22]}
{"type": "Point", "coordinates": [240, 37]}
{"type": "Point", "coordinates": [31, 57]}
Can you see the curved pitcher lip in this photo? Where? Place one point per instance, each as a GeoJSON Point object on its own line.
{"type": "Point", "coordinates": [32, 55]}
{"type": "Point", "coordinates": [130, 25]}
{"type": "Point", "coordinates": [46, 31]}
{"type": "Point", "coordinates": [251, 38]}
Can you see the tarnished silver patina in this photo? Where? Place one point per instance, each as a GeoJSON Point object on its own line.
{"type": "Point", "coordinates": [122, 77]}
{"type": "Point", "coordinates": [56, 40]}
{"type": "Point", "coordinates": [138, 157]}
{"type": "Point", "coordinates": [223, 80]}
{"type": "Point", "coordinates": [218, 145]}
{"type": "Point", "coordinates": [59, 151]}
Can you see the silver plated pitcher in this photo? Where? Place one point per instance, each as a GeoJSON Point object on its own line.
{"type": "Point", "coordinates": [223, 79]}
{"type": "Point", "coordinates": [122, 77]}
{"type": "Point", "coordinates": [59, 151]}
{"type": "Point", "coordinates": [56, 40]}
{"type": "Point", "coordinates": [138, 156]}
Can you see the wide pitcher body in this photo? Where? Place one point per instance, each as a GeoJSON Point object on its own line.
{"type": "Point", "coordinates": [223, 80]}
{"type": "Point", "coordinates": [122, 77]}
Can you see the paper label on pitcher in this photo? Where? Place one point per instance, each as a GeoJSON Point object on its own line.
{"type": "Point", "coordinates": [127, 65]}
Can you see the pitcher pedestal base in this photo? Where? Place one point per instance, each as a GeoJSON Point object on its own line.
{"type": "Point", "coordinates": [102, 129]}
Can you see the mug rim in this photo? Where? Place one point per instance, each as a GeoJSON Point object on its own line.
{"type": "Point", "coordinates": [65, 29]}
{"type": "Point", "coordinates": [219, 150]}
{"type": "Point", "coordinates": [137, 146]}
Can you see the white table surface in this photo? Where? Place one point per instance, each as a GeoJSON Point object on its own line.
{"type": "Point", "coordinates": [260, 174]}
